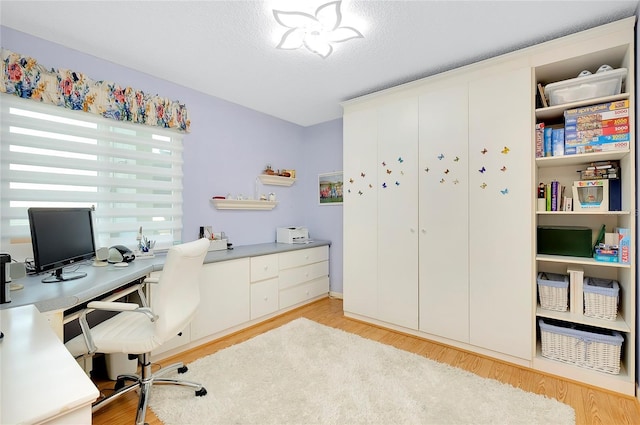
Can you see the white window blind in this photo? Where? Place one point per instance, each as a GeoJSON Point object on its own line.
{"type": "Point", "coordinates": [52, 156]}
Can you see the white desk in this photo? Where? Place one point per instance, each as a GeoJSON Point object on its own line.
{"type": "Point", "coordinates": [40, 382]}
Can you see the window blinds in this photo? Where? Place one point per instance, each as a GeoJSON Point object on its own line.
{"type": "Point", "coordinates": [130, 173]}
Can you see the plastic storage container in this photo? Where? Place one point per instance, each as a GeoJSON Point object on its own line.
{"type": "Point", "coordinates": [607, 83]}
{"type": "Point", "coordinates": [600, 298]}
{"type": "Point", "coordinates": [553, 291]}
{"type": "Point", "coordinates": [565, 240]}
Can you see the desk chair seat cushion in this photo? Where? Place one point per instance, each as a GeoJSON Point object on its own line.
{"type": "Point", "coordinates": [127, 332]}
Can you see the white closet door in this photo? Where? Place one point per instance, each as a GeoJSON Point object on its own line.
{"type": "Point", "coordinates": [360, 212]}
{"type": "Point", "coordinates": [444, 213]}
{"type": "Point", "coordinates": [501, 212]}
{"type": "Point", "coordinates": [398, 212]}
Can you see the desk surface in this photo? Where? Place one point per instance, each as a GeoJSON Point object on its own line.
{"type": "Point", "coordinates": [39, 379]}
{"type": "Point", "coordinates": [102, 280]}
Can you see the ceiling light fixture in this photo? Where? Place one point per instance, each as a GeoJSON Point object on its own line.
{"type": "Point", "coordinates": [316, 33]}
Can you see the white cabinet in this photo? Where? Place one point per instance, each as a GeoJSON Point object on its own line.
{"type": "Point", "coordinates": [264, 285]}
{"type": "Point", "coordinates": [500, 212]}
{"type": "Point", "coordinates": [303, 275]}
{"type": "Point", "coordinates": [472, 268]}
{"type": "Point", "coordinates": [224, 297]}
{"type": "Point", "coordinates": [381, 212]}
{"type": "Point", "coordinates": [444, 206]}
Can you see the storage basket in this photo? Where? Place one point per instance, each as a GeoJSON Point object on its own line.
{"type": "Point", "coordinates": [553, 291]}
{"type": "Point", "coordinates": [598, 350]}
{"type": "Point", "coordinates": [600, 298]}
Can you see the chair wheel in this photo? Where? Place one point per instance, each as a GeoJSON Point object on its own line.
{"type": "Point", "coordinates": [201, 392]}
{"type": "Point", "coordinates": [183, 369]}
{"type": "Point", "coordinates": [119, 384]}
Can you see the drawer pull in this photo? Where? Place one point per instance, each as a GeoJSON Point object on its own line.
{"type": "Point", "coordinates": [266, 267]}
{"type": "Point", "coordinates": [266, 298]}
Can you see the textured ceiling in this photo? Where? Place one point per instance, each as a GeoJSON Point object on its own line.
{"type": "Point", "coordinates": [230, 45]}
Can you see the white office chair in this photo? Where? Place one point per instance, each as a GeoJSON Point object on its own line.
{"type": "Point", "coordinates": [137, 330]}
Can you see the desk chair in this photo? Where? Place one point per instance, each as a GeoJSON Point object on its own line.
{"type": "Point", "coordinates": [138, 330]}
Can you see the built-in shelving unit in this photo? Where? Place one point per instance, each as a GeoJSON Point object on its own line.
{"type": "Point", "coordinates": [244, 204]}
{"type": "Point", "coordinates": [590, 56]}
{"type": "Point", "coordinates": [276, 180]}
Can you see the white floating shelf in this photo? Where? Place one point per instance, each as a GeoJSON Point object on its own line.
{"type": "Point", "coordinates": [276, 180]}
{"type": "Point", "coordinates": [233, 204]}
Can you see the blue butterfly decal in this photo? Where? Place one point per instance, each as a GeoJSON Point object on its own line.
{"type": "Point", "coordinates": [397, 183]}
{"type": "Point", "coordinates": [441, 157]}
{"type": "Point", "coordinates": [384, 185]}
{"type": "Point", "coordinates": [505, 191]}
{"type": "Point", "coordinates": [400, 160]}
{"type": "Point", "coordinates": [482, 170]}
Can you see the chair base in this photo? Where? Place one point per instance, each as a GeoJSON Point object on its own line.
{"type": "Point", "coordinates": [144, 382]}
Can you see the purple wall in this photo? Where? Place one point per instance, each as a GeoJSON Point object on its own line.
{"type": "Point", "coordinates": [227, 148]}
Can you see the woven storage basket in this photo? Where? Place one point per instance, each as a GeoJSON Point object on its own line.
{"type": "Point", "coordinates": [553, 291]}
{"type": "Point", "coordinates": [585, 348]}
{"type": "Point", "coordinates": [600, 298]}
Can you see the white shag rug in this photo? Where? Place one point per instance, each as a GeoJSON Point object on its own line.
{"type": "Point", "coordinates": [307, 373]}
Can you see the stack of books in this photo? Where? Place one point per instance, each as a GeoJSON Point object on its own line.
{"type": "Point", "coordinates": [600, 170]}
{"type": "Point", "coordinates": [597, 128]}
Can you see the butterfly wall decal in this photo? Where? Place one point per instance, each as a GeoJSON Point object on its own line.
{"type": "Point", "coordinates": [359, 192]}
{"type": "Point", "coordinates": [384, 164]}
{"type": "Point", "coordinates": [388, 171]}
{"type": "Point", "coordinates": [446, 171]}
{"type": "Point", "coordinates": [441, 180]}
{"type": "Point", "coordinates": [362, 174]}
{"type": "Point", "coordinates": [504, 168]}
{"type": "Point", "coordinates": [483, 185]}
{"type": "Point", "coordinates": [483, 151]}
{"type": "Point", "coordinates": [441, 157]}
{"type": "Point", "coordinates": [482, 170]}
{"type": "Point", "coordinates": [351, 180]}
{"type": "Point", "coordinates": [384, 185]}
{"type": "Point", "coordinates": [400, 160]}
{"type": "Point", "coordinates": [505, 191]}
{"type": "Point", "coordinates": [505, 150]}
{"type": "Point", "coordinates": [397, 183]}
{"type": "Point", "coordinates": [456, 159]}
{"type": "Point", "coordinates": [426, 169]}
{"type": "Point", "coordinates": [456, 181]}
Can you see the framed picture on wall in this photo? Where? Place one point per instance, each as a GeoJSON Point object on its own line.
{"type": "Point", "coordinates": [330, 188]}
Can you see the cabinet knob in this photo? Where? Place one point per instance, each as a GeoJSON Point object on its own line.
{"type": "Point", "coordinates": [266, 267]}
{"type": "Point", "coordinates": [266, 298]}
{"type": "Point", "coordinates": [424, 231]}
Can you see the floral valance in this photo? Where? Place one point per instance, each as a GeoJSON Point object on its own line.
{"type": "Point", "coordinates": [24, 77]}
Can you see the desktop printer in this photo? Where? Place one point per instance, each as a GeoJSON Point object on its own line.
{"type": "Point", "coordinates": [292, 235]}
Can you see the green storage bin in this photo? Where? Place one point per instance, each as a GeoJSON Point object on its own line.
{"type": "Point", "coordinates": [565, 240]}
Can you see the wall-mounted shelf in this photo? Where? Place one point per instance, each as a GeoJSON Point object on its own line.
{"type": "Point", "coordinates": [233, 204]}
{"type": "Point", "coordinates": [276, 180]}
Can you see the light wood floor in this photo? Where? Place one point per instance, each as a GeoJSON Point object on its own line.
{"type": "Point", "coordinates": [592, 406]}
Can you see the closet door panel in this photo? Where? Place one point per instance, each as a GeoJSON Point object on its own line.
{"type": "Point", "coordinates": [501, 212]}
{"type": "Point", "coordinates": [444, 209]}
{"type": "Point", "coordinates": [398, 212]}
{"type": "Point", "coordinates": [360, 212]}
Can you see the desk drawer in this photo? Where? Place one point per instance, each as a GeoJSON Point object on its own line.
{"type": "Point", "coordinates": [306, 291]}
{"type": "Point", "coordinates": [303, 257]}
{"type": "Point", "coordinates": [264, 267]}
{"type": "Point", "coordinates": [295, 276]}
{"type": "Point", "coordinates": [264, 298]}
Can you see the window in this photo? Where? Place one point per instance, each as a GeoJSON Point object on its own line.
{"type": "Point", "coordinates": [52, 156]}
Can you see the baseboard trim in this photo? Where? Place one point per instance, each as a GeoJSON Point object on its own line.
{"type": "Point", "coordinates": [337, 295]}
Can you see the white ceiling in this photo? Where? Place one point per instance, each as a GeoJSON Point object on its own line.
{"type": "Point", "coordinates": [227, 48]}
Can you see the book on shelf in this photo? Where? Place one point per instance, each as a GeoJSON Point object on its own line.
{"type": "Point", "coordinates": [539, 140]}
{"type": "Point", "coordinates": [548, 131]}
{"type": "Point", "coordinates": [557, 142]}
{"type": "Point", "coordinates": [543, 98]}
{"type": "Point", "coordinates": [624, 245]}
{"type": "Point", "coordinates": [608, 110]}
{"type": "Point", "coordinates": [592, 125]}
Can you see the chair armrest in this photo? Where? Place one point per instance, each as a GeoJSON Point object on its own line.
{"type": "Point", "coordinates": [108, 306]}
{"type": "Point", "coordinates": [112, 306]}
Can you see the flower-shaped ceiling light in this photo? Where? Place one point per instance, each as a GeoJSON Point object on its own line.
{"type": "Point", "coordinates": [316, 33]}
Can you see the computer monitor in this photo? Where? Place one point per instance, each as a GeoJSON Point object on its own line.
{"type": "Point", "coordinates": [60, 237]}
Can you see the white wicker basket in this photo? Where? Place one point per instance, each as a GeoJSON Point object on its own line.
{"type": "Point", "coordinates": [600, 298]}
{"type": "Point", "coordinates": [583, 348]}
{"type": "Point", "coordinates": [553, 291]}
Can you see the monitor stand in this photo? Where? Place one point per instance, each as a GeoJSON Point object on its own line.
{"type": "Point", "coordinates": [59, 276]}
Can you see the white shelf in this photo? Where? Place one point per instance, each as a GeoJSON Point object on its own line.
{"type": "Point", "coordinates": [617, 325]}
{"type": "Point", "coordinates": [578, 260]}
{"type": "Point", "coordinates": [276, 180]}
{"type": "Point", "coordinates": [233, 204]}
{"type": "Point", "coordinates": [557, 111]}
{"type": "Point", "coordinates": [582, 212]}
{"type": "Point", "coordinates": [580, 159]}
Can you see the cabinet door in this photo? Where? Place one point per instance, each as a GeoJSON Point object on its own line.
{"type": "Point", "coordinates": [397, 230]}
{"type": "Point", "coordinates": [224, 297]}
{"type": "Point", "coordinates": [360, 243]}
{"type": "Point", "coordinates": [501, 212]}
{"type": "Point", "coordinates": [444, 213]}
